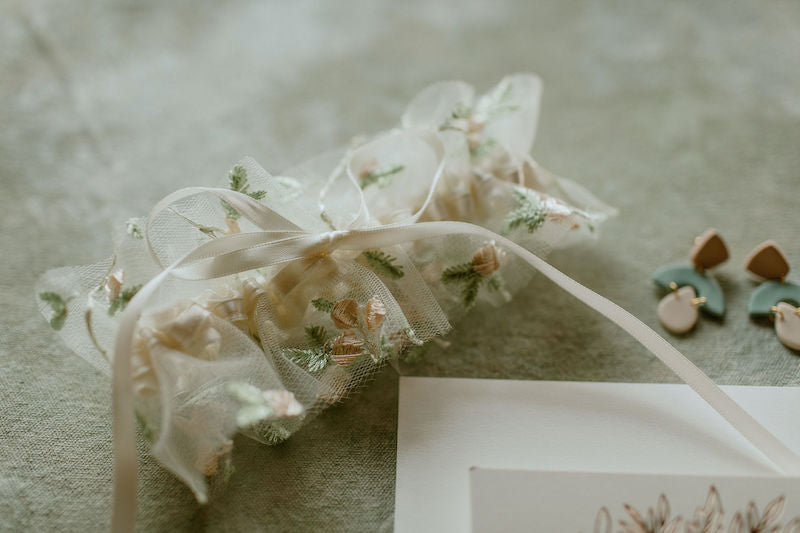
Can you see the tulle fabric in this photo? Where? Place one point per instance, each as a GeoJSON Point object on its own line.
{"type": "Point", "coordinates": [265, 350]}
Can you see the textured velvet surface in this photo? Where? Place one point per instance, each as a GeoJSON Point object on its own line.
{"type": "Point", "coordinates": [683, 115]}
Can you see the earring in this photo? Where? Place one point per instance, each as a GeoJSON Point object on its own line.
{"type": "Point", "coordinates": [690, 285]}
{"type": "Point", "coordinates": [775, 297]}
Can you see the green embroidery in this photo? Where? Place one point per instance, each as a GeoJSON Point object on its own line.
{"type": "Point", "coordinates": [380, 177]}
{"type": "Point", "coordinates": [121, 301]}
{"type": "Point", "coordinates": [482, 149]}
{"type": "Point", "coordinates": [238, 183]}
{"type": "Point", "coordinates": [315, 358]}
{"type": "Point", "coordinates": [205, 230]}
{"type": "Point", "coordinates": [469, 280]}
{"type": "Point", "coordinates": [497, 103]}
{"type": "Point", "coordinates": [384, 264]}
{"type": "Point", "coordinates": [133, 229]}
{"type": "Point", "coordinates": [489, 107]}
{"type": "Point", "coordinates": [387, 348]}
{"type": "Point", "coordinates": [59, 307]}
{"type": "Point", "coordinates": [317, 336]}
{"type": "Point", "coordinates": [275, 433]}
{"type": "Point", "coordinates": [528, 213]}
{"type": "Point", "coordinates": [147, 433]}
{"type": "Point", "coordinates": [322, 304]}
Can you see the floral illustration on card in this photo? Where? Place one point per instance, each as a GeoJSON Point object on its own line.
{"type": "Point", "coordinates": [709, 518]}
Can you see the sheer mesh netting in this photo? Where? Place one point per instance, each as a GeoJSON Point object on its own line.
{"type": "Point", "coordinates": [263, 350]}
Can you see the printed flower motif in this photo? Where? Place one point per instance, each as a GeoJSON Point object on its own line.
{"type": "Point", "coordinates": [710, 517]}
{"type": "Point", "coordinates": [657, 521]}
{"type": "Point", "coordinates": [258, 405]}
{"type": "Point", "coordinates": [707, 519]}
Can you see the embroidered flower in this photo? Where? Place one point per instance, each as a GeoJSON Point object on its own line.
{"type": "Point", "coordinates": [707, 519]}
{"type": "Point", "coordinates": [471, 276]}
{"type": "Point", "coordinates": [374, 314]}
{"type": "Point", "coordinates": [345, 314]}
{"type": "Point", "coordinates": [346, 348]}
{"type": "Point", "coordinates": [486, 260]}
{"type": "Point", "coordinates": [113, 284]}
{"type": "Point", "coordinates": [283, 403]}
{"type": "Point", "coordinates": [258, 405]}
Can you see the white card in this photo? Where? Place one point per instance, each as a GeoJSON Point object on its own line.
{"type": "Point", "coordinates": [510, 501]}
{"type": "Point", "coordinates": [447, 426]}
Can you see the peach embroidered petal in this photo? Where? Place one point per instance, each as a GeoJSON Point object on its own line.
{"type": "Point", "coordinates": [345, 314]}
{"type": "Point", "coordinates": [486, 260]}
{"type": "Point", "coordinates": [374, 314]}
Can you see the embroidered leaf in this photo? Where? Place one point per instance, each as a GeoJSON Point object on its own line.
{"type": "Point", "coordinates": [205, 230]}
{"type": "Point", "coordinates": [322, 304]}
{"type": "Point", "coordinates": [459, 273]}
{"type": "Point", "coordinates": [121, 301]}
{"type": "Point", "coordinates": [495, 282]}
{"type": "Point", "coordinates": [470, 281]}
{"type": "Point", "coordinates": [498, 102]}
{"type": "Point", "coordinates": [133, 229]}
{"type": "Point", "coordinates": [238, 183]}
{"type": "Point", "coordinates": [482, 149]}
{"type": "Point", "coordinates": [147, 433]}
{"type": "Point", "coordinates": [381, 178]}
{"type": "Point", "coordinates": [469, 292]}
{"type": "Point", "coordinates": [238, 178]}
{"type": "Point", "coordinates": [313, 359]}
{"type": "Point", "coordinates": [230, 212]}
{"type": "Point", "coordinates": [59, 307]}
{"type": "Point", "coordinates": [275, 433]}
{"type": "Point", "coordinates": [528, 213]}
{"type": "Point", "coordinates": [317, 336]}
{"type": "Point", "coordinates": [460, 111]}
{"type": "Point", "coordinates": [384, 264]}
{"type": "Point", "coordinates": [387, 348]}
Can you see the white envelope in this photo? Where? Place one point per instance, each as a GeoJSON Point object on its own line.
{"type": "Point", "coordinates": [447, 426]}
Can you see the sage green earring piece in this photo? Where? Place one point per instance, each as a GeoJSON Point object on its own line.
{"type": "Point", "coordinates": [775, 298]}
{"type": "Point", "coordinates": [691, 286]}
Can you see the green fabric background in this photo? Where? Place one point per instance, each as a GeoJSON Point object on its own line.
{"type": "Point", "coordinates": [682, 114]}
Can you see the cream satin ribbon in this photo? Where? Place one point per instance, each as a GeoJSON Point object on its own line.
{"type": "Point", "coordinates": [283, 242]}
